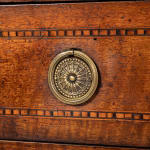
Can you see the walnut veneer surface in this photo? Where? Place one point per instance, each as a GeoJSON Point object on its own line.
{"type": "Point", "coordinates": [115, 35]}
{"type": "Point", "coordinates": [38, 1]}
{"type": "Point", "coordinates": [11, 145]}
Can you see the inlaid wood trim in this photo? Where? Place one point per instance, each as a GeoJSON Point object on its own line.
{"type": "Point", "coordinates": [66, 33]}
{"type": "Point", "coordinates": [74, 114]}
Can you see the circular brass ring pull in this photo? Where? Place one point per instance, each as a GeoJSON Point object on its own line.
{"type": "Point", "coordinates": [72, 77]}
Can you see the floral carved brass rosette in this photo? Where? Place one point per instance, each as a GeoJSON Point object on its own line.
{"type": "Point", "coordinates": [72, 77]}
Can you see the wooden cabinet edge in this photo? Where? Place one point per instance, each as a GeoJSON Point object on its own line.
{"type": "Point", "coordinates": [17, 145]}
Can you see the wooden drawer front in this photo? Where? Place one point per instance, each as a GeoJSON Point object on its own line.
{"type": "Point", "coordinates": [115, 36]}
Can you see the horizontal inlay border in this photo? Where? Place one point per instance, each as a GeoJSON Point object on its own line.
{"type": "Point", "coordinates": [74, 114]}
{"type": "Point", "coordinates": [66, 33]}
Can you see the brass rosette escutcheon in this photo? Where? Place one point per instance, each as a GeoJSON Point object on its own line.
{"type": "Point", "coordinates": [72, 77]}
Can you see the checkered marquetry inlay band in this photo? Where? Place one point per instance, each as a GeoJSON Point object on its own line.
{"type": "Point", "coordinates": [58, 33]}
{"type": "Point", "coordinates": [74, 114]}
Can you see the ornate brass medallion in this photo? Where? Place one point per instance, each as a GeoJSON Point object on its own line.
{"type": "Point", "coordinates": [73, 77]}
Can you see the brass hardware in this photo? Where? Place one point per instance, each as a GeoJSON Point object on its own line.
{"type": "Point", "coordinates": [72, 77]}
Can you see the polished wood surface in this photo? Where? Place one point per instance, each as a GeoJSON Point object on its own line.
{"type": "Point", "coordinates": [10, 145]}
{"type": "Point", "coordinates": [38, 1]}
{"type": "Point", "coordinates": [115, 35]}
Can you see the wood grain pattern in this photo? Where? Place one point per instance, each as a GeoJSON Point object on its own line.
{"type": "Point", "coordinates": [45, 146]}
{"type": "Point", "coordinates": [123, 61]}
{"type": "Point", "coordinates": [22, 1]}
